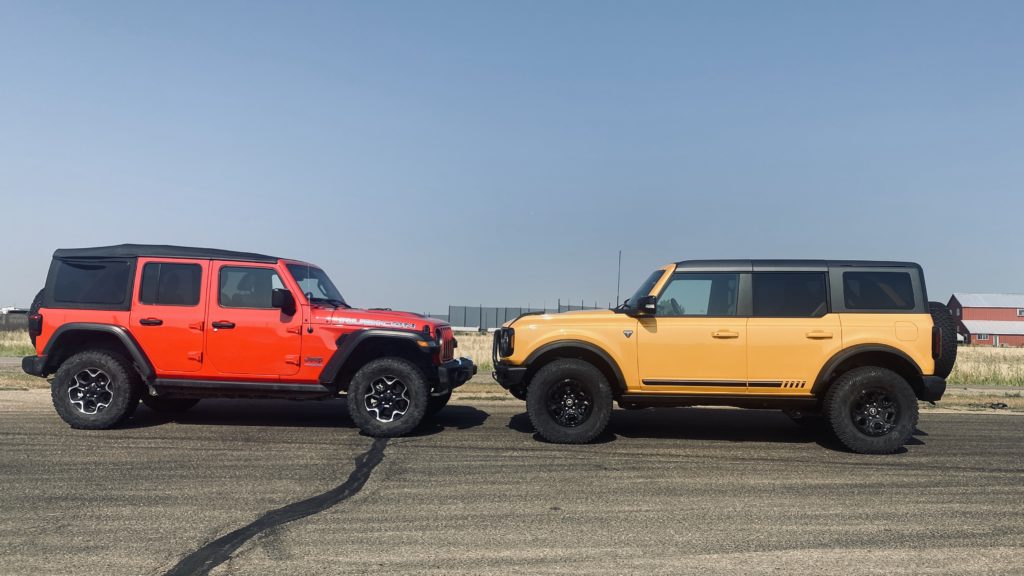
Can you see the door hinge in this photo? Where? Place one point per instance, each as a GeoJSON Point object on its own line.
{"type": "Point", "coordinates": [294, 329]}
{"type": "Point", "coordinates": [292, 359]}
{"type": "Point", "coordinates": [197, 356]}
{"type": "Point", "coordinates": [196, 326]}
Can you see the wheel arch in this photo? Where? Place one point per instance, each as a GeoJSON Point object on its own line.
{"type": "Point", "coordinates": [76, 336]}
{"type": "Point", "coordinates": [869, 355]}
{"type": "Point", "coordinates": [580, 350]}
{"type": "Point", "coordinates": [357, 348]}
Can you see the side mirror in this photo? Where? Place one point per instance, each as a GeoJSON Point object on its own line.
{"type": "Point", "coordinates": [282, 298]}
{"type": "Point", "coordinates": [646, 306]}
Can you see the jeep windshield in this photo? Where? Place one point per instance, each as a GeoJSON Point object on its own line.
{"type": "Point", "coordinates": [316, 285]}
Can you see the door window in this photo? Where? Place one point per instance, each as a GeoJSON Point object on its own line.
{"type": "Point", "coordinates": [790, 294]}
{"type": "Point", "coordinates": [168, 284]}
{"type": "Point", "coordinates": [248, 287]}
{"type": "Point", "coordinates": [711, 294]}
{"type": "Point", "coordinates": [878, 291]}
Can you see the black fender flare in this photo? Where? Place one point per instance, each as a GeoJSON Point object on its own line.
{"type": "Point", "coordinates": [618, 385]}
{"type": "Point", "coordinates": [826, 372]}
{"type": "Point", "coordinates": [138, 357]}
{"type": "Point", "coordinates": [349, 343]}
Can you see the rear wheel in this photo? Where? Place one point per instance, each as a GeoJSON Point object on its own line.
{"type": "Point", "coordinates": [168, 405]}
{"type": "Point", "coordinates": [569, 402]}
{"type": "Point", "coordinates": [388, 397]}
{"type": "Point", "coordinates": [944, 320]}
{"type": "Point", "coordinates": [95, 390]}
{"type": "Point", "coordinates": [871, 410]}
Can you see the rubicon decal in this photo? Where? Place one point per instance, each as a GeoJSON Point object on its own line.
{"type": "Point", "coordinates": [372, 322]}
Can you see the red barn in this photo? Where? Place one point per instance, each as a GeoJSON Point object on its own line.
{"type": "Point", "coordinates": [989, 319]}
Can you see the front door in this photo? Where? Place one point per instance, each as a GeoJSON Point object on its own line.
{"type": "Point", "coordinates": [695, 343]}
{"type": "Point", "coordinates": [245, 334]}
{"type": "Point", "coordinates": [792, 332]}
{"type": "Point", "coordinates": [168, 313]}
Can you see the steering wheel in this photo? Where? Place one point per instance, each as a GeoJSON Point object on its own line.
{"type": "Point", "coordinates": [672, 308]}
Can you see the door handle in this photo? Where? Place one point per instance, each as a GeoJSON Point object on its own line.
{"type": "Point", "coordinates": [151, 321]}
{"type": "Point", "coordinates": [819, 334]}
{"type": "Point", "coordinates": [722, 334]}
{"type": "Point", "coordinates": [223, 324]}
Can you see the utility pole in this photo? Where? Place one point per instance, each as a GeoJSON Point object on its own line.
{"type": "Point", "coordinates": [618, 280]}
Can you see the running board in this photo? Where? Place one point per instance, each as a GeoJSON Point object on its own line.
{"type": "Point", "coordinates": [185, 388]}
{"type": "Point", "coordinates": [737, 400]}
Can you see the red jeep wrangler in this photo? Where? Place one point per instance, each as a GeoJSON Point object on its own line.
{"type": "Point", "coordinates": [170, 325]}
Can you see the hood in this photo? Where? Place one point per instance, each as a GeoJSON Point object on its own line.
{"type": "Point", "coordinates": [361, 318]}
{"type": "Point", "coordinates": [575, 317]}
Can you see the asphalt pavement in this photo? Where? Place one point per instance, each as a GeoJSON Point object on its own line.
{"type": "Point", "coordinates": [267, 487]}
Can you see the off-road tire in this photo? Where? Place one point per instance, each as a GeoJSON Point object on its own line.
{"type": "Point", "coordinates": [168, 405]}
{"type": "Point", "coordinates": [437, 403]}
{"type": "Point", "coordinates": [394, 369]}
{"type": "Point", "coordinates": [944, 320]}
{"type": "Point", "coordinates": [518, 392]}
{"type": "Point", "coordinates": [580, 379]}
{"type": "Point", "coordinates": [122, 381]}
{"type": "Point", "coordinates": [37, 303]}
{"type": "Point", "coordinates": [852, 390]}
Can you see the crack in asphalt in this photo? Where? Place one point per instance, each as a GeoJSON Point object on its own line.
{"type": "Point", "coordinates": [218, 551]}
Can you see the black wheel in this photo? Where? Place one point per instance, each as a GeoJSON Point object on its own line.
{"type": "Point", "coordinates": [518, 392]}
{"type": "Point", "coordinates": [94, 390]}
{"type": "Point", "coordinates": [388, 397]}
{"type": "Point", "coordinates": [871, 410]}
{"type": "Point", "coordinates": [437, 403]}
{"type": "Point", "coordinates": [944, 320]}
{"type": "Point", "coordinates": [168, 405]}
{"type": "Point", "coordinates": [569, 402]}
{"type": "Point", "coordinates": [37, 303]}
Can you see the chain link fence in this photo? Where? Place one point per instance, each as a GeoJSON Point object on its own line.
{"type": "Point", "coordinates": [491, 317]}
{"type": "Point", "coordinates": [9, 322]}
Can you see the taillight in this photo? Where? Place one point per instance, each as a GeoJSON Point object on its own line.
{"type": "Point", "coordinates": [35, 327]}
{"type": "Point", "coordinates": [936, 342]}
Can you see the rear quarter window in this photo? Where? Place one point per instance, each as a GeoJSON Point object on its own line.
{"type": "Point", "coordinates": [878, 291]}
{"type": "Point", "coordinates": [91, 282]}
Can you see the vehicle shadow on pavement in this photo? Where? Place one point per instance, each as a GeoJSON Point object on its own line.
{"type": "Point", "coordinates": [707, 424]}
{"type": "Point", "coordinates": [311, 414]}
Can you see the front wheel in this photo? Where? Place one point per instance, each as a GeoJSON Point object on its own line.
{"type": "Point", "coordinates": [94, 390]}
{"type": "Point", "coordinates": [388, 397]}
{"type": "Point", "coordinates": [569, 402]}
{"type": "Point", "coordinates": [872, 410]}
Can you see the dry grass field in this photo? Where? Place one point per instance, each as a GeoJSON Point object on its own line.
{"type": "Point", "coordinates": [15, 343]}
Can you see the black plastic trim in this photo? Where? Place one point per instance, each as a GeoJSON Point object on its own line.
{"type": "Point", "coordinates": [188, 388]}
{"type": "Point", "coordinates": [738, 400]}
{"type": "Point", "coordinates": [620, 383]}
{"type": "Point", "coordinates": [829, 368]}
{"type": "Point", "coordinates": [348, 343]}
{"type": "Point", "coordinates": [34, 365]}
{"type": "Point", "coordinates": [508, 376]}
{"type": "Point", "coordinates": [731, 383]}
{"type": "Point", "coordinates": [932, 389]}
{"type": "Point", "coordinates": [134, 350]}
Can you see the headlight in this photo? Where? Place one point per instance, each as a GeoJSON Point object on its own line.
{"type": "Point", "coordinates": [506, 341]}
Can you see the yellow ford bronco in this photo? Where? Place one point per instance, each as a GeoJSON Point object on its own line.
{"type": "Point", "coordinates": [850, 344]}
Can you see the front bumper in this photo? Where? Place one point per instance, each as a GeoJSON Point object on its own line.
{"type": "Point", "coordinates": [508, 376]}
{"type": "Point", "coordinates": [932, 388]}
{"type": "Point", "coordinates": [34, 365]}
{"type": "Point", "coordinates": [455, 373]}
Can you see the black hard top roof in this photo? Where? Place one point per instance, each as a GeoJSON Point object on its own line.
{"type": "Point", "coordinates": [159, 251]}
{"type": "Point", "coordinates": [787, 265]}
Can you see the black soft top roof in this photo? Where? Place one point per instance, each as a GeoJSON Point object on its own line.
{"type": "Point", "coordinates": [159, 251]}
{"type": "Point", "coordinates": [787, 265]}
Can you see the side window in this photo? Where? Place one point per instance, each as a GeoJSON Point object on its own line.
{"type": "Point", "coordinates": [91, 282]}
{"type": "Point", "coordinates": [699, 295]}
{"type": "Point", "coordinates": [245, 287]}
{"type": "Point", "coordinates": [168, 284]}
{"type": "Point", "coordinates": [878, 291]}
{"type": "Point", "coordinates": [790, 294]}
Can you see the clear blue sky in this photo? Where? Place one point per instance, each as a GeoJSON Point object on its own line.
{"type": "Point", "coordinates": [435, 153]}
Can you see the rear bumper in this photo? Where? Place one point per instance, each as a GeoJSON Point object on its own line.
{"type": "Point", "coordinates": [932, 388]}
{"type": "Point", "coordinates": [455, 373]}
{"type": "Point", "coordinates": [508, 376]}
{"type": "Point", "coordinates": [34, 365]}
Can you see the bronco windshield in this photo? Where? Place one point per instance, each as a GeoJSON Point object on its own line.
{"type": "Point", "coordinates": [645, 288]}
{"type": "Point", "coordinates": [316, 285]}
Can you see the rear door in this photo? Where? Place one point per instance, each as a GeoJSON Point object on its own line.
{"type": "Point", "coordinates": [792, 331]}
{"type": "Point", "coordinates": [168, 313]}
{"type": "Point", "coordinates": [245, 334]}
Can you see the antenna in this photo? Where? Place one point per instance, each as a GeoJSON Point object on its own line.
{"type": "Point", "coordinates": [618, 280]}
